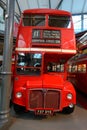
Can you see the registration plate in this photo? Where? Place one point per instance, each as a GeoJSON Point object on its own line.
{"type": "Point", "coordinates": [43, 112]}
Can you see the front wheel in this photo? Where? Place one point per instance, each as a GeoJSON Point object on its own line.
{"type": "Point", "coordinates": [68, 110]}
{"type": "Point", "coordinates": [18, 109]}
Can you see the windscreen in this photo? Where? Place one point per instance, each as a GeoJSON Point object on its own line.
{"type": "Point", "coordinates": [59, 21]}
{"type": "Point", "coordinates": [33, 20]}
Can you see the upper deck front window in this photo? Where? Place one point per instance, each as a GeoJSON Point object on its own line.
{"type": "Point", "coordinates": [33, 20]}
{"type": "Point", "coordinates": [59, 21]}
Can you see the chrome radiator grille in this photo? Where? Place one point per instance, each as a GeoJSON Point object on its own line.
{"type": "Point", "coordinates": [44, 98]}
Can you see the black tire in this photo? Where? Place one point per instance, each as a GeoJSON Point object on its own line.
{"type": "Point", "coordinates": [18, 109]}
{"type": "Point", "coordinates": [68, 110]}
{"type": "Point", "coordinates": [10, 104]}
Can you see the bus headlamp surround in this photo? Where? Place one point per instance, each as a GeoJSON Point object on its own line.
{"type": "Point", "coordinates": [69, 96]}
{"type": "Point", "coordinates": [18, 95]}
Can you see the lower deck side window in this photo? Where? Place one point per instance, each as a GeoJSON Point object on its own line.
{"type": "Point", "coordinates": [29, 63]}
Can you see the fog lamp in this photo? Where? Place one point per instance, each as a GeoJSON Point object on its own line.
{"type": "Point", "coordinates": [71, 105]}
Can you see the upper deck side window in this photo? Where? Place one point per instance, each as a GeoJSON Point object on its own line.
{"type": "Point", "coordinates": [33, 20]}
{"type": "Point", "coordinates": [59, 21]}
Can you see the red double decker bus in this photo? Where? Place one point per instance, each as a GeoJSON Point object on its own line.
{"type": "Point", "coordinates": [78, 64]}
{"type": "Point", "coordinates": [44, 44]}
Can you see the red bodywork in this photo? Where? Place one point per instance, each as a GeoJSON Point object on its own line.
{"type": "Point", "coordinates": [47, 91]}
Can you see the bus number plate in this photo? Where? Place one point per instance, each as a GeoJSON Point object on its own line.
{"type": "Point", "coordinates": [43, 112]}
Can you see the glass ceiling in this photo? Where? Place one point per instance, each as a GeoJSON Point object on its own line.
{"type": "Point", "coordinates": [78, 8]}
{"type": "Point", "coordinates": [73, 6]}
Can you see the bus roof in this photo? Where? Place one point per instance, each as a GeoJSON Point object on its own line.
{"type": "Point", "coordinates": [46, 11]}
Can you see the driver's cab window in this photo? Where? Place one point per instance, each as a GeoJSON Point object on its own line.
{"type": "Point", "coordinates": [29, 63]}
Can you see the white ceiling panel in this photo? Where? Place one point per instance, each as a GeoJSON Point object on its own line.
{"type": "Point", "coordinates": [54, 3]}
{"type": "Point", "coordinates": [66, 5]}
{"type": "Point", "coordinates": [74, 6]}
{"type": "Point", "coordinates": [85, 7]}
{"type": "Point", "coordinates": [23, 4]}
{"type": "Point", "coordinates": [32, 4]}
{"type": "Point", "coordinates": [78, 6]}
{"type": "Point", "coordinates": [43, 3]}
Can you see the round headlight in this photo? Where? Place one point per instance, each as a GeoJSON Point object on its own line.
{"type": "Point", "coordinates": [69, 96]}
{"type": "Point", "coordinates": [18, 94]}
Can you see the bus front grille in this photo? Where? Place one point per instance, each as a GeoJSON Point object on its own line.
{"type": "Point", "coordinates": [44, 98]}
